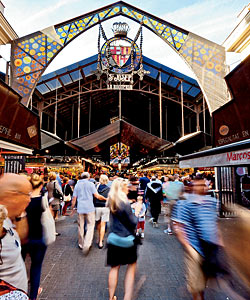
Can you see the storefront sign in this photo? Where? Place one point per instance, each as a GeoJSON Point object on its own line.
{"type": "Point", "coordinates": [231, 121]}
{"type": "Point", "coordinates": [233, 138]}
{"type": "Point", "coordinates": [241, 157]}
{"type": "Point", "coordinates": [120, 77]}
{"type": "Point", "coordinates": [167, 160]}
{"type": "Point", "coordinates": [120, 87]}
{"type": "Point", "coordinates": [17, 123]}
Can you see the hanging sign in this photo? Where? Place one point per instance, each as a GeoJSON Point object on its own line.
{"type": "Point", "coordinates": [120, 58]}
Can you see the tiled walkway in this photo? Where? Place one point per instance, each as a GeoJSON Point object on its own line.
{"type": "Point", "coordinates": [67, 274]}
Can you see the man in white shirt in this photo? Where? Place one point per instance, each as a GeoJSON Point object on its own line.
{"type": "Point", "coordinates": [84, 192]}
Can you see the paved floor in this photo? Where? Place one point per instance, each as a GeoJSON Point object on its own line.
{"type": "Point", "coordinates": [67, 274]}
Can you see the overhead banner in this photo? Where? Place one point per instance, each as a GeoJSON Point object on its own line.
{"type": "Point", "coordinates": [241, 157]}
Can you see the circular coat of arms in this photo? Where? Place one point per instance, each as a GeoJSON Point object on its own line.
{"type": "Point", "coordinates": [120, 55]}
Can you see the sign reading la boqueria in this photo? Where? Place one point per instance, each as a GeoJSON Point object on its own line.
{"type": "Point", "coordinates": [120, 58]}
{"type": "Point", "coordinates": [241, 157]}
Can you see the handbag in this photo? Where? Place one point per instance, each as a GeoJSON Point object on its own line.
{"type": "Point", "coordinates": [48, 223]}
{"type": "Point", "coordinates": [66, 198]}
{"type": "Point", "coordinates": [120, 241]}
{"type": "Point", "coordinates": [57, 194]}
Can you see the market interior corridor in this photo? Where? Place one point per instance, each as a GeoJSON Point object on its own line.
{"type": "Point", "coordinates": [69, 275]}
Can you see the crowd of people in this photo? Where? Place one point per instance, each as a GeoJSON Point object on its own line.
{"type": "Point", "coordinates": [119, 203]}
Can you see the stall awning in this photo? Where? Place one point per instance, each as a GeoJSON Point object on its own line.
{"type": "Point", "coordinates": [49, 139]}
{"type": "Point", "coordinates": [14, 147]}
{"type": "Point", "coordinates": [187, 137]}
{"type": "Point", "coordinates": [229, 155]}
{"type": "Point", "coordinates": [124, 132]}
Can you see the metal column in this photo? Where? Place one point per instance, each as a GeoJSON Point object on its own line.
{"type": "Point", "coordinates": [166, 118]}
{"type": "Point", "coordinates": [160, 104]}
{"type": "Point", "coordinates": [55, 117]}
{"type": "Point", "coordinates": [197, 118]}
{"type": "Point", "coordinates": [7, 72]}
{"type": "Point", "coordinates": [182, 112]}
{"type": "Point", "coordinates": [149, 115]}
{"type": "Point", "coordinates": [72, 121]}
{"type": "Point", "coordinates": [78, 111]}
{"type": "Point", "coordinates": [204, 115]}
{"type": "Point", "coordinates": [90, 104]}
{"type": "Point", "coordinates": [120, 104]}
{"type": "Point", "coordinates": [40, 111]}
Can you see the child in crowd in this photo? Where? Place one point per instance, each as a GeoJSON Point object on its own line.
{"type": "Point", "coordinates": [141, 217]}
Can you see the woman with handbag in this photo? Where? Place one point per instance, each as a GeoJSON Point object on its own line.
{"type": "Point", "coordinates": [54, 194]}
{"type": "Point", "coordinates": [67, 194]}
{"type": "Point", "coordinates": [122, 249]}
{"type": "Point", "coordinates": [35, 246]}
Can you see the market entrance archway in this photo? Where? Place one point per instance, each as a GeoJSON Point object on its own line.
{"type": "Point", "coordinates": [31, 54]}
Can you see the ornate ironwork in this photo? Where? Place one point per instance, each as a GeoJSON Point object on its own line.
{"type": "Point", "coordinates": [31, 54]}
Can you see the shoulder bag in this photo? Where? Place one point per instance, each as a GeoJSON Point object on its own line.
{"type": "Point", "coordinates": [57, 194]}
{"type": "Point", "coordinates": [68, 197]}
{"type": "Point", "coordinates": [120, 241]}
{"type": "Point", "coordinates": [48, 223]}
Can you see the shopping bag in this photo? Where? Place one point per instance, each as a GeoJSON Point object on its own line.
{"type": "Point", "coordinates": [48, 223]}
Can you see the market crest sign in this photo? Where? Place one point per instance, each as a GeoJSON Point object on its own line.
{"type": "Point", "coordinates": [120, 58]}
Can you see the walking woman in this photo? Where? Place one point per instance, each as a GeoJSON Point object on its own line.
{"type": "Point", "coordinates": [67, 194]}
{"type": "Point", "coordinates": [101, 211]}
{"type": "Point", "coordinates": [35, 246]}
{"type": "Point", "coordinates": [53, 201]}
{"type": "Point", "coordinates": [122, 231]}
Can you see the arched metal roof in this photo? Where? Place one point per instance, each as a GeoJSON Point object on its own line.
{"type": "Point", "coordinates": [86, 67]}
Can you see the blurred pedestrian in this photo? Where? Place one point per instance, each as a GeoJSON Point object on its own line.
{"type": "Point", "coordinates": [15, 194]}
{"type": "Point", "coordinates": [174, 191]}
{"type": "Point", "coordinates": [121, 247]}
{"type": "Point", "coordinates": [35, 246]}
{"type": "Point", "coordinates": [195, 224]}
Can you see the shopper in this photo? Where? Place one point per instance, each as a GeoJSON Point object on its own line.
{"type": "Point", "coordinates": [101, 211]}
{"type": "Point", "coordinates": [173, 192]}
{"type": "Point", "coordinates": [15, 191]}
{"type": "Point", "coordinates": [155, 197]}
{"type": "Point", "coordinates": [195, 224]}
{"type": "Point", "coordinates": [83, 193]}
{"type": "Point", "coordinates": [35, 246]}
{"type": "Point", "coordinates": [121, 248]}
{"type": "Point", "coordinates": [54, 198]}
{"type": "Point", "coordinates": [133, 189]}
{"type": "Point", "coordinates": [139, 205]}
{"type": "Point", "coordinates": [67, 194]}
